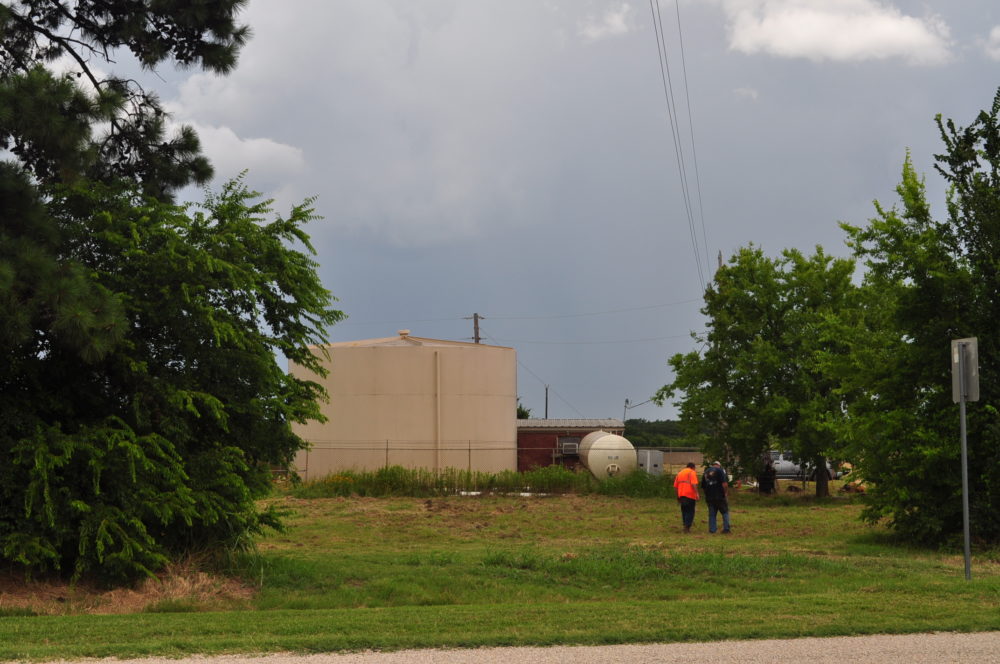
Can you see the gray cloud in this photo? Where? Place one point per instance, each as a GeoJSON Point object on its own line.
{"type": "Point", "coordinates": [496, 157]}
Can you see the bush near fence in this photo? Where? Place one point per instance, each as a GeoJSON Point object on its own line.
{"type": "Point", "coordinates": [418, 482]}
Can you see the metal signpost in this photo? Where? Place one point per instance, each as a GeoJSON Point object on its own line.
{"type": "Point", "coordinates": [965, 387]}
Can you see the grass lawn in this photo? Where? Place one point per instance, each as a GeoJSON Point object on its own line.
{"type": "Point", "coordinates": [389, 573]}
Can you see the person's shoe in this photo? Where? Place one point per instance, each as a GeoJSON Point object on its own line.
{"type": "Point", "coordinates": [727, 532]}
{"type": "Point", "coordinates": [687, 529]}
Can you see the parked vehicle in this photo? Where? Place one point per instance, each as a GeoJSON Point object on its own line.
{"type": "Point", "coordinates": [787, 468]}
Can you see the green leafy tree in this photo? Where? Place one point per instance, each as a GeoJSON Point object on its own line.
{"type": "Point", "coordinates": [155, 436]}
{"type": "Point", "coordinates": [935, 281]}
{"type": "Point", "coordinates": [822, 300]}
{"type": "Point", "coordinates": [725, 390]}
{"type": "Point", "coordinates": [759, 383]}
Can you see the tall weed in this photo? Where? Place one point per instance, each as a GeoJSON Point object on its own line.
{"type": "Point", "coordinates": [421, 483]}
{"type": "Point", "coordinates": [637, 485]}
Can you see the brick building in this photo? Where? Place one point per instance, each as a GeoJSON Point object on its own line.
{"type": "Point", "coordinates": [556, 442]}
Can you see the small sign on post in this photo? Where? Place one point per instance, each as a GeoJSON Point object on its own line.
{"type": "Point", "coordinates": [965, 369]}
{"type": "Point", "coordinates": [965, 387]}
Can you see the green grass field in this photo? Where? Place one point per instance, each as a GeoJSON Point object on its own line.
{"type": "Point", "coordinates": [390, 573]}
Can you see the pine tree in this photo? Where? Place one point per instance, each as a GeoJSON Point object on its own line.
{"type": "Point", "coordinates": [82, 123]}
{"type": "Point", "coordinates": [142, 408]}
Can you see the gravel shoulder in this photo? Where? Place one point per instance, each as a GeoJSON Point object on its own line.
{"type": "Point", "coordinates": [936, 648]}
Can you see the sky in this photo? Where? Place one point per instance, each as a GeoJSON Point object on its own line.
{"type": "Point", "coordinates": [517, 158]}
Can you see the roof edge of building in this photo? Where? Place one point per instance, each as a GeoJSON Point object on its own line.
{"type": "Point", "coordinates": [403, 342]}
{"type": "Point", "coordinates": [583, 423]}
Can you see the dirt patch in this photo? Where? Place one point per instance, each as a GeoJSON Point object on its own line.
{"type": "Point", "coordinates": [180, 587]}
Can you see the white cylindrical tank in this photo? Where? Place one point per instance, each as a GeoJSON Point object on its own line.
{"type": "Point", "coordinates": [607, 454]}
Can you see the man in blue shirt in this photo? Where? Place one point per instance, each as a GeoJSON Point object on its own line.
{"type": "Point", "coordinates": [716, 485]}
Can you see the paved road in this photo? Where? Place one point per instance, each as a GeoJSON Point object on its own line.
{"type": "Point", "coordinates": [938, 648]}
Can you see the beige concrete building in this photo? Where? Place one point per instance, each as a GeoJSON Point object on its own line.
{"type": "Point", "coordinates": [413, 402]}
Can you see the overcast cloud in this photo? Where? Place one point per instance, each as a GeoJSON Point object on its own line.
{"type": "Point", "coordinates": [515, 157]}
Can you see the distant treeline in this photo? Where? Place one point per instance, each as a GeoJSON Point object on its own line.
{"type": "Point", "coordinates": [655, 433]}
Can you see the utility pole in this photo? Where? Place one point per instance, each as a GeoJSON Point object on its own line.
{"type": "Point", "coordinates": [629, 406]}
{"type": "Point", "coordinates": [546, 402]}
{"type": "Point", "coordinates": [475, 326]}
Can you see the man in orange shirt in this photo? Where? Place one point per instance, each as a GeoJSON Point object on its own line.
{"type": "Point", "coordinates": [686, 484]}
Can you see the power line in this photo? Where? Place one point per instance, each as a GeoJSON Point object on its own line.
{"type": "Point", "coordinates": [591, 343]}
{"type": "Point", "coordinates": [547, 385]}
{"type": "Point", "coordinates": [664, 62]}
{"type": "Point", "coordinates": [663, 59]}
{"type": "Point", "coordinates": [522, 317]}
{"type": "Point", "coordinates": [400, 322]}
{"type": "Point", "coordinates": [598, 313]}
{"type": "Point", "coordinates": [694, 148]}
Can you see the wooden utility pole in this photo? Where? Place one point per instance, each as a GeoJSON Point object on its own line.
{"type": "Point", "coordinates": [475, 326]}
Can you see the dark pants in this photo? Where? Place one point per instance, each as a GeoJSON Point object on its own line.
{"type": "Point", "coordinates": [717, 505]}
{"type": "Point", "coordinates": [687, 510]}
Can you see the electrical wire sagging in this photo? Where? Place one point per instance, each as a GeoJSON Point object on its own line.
{"type": "Point", "coordinates": [536, 377]}
{"type": "Point", "coordinates": [675, 132]}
